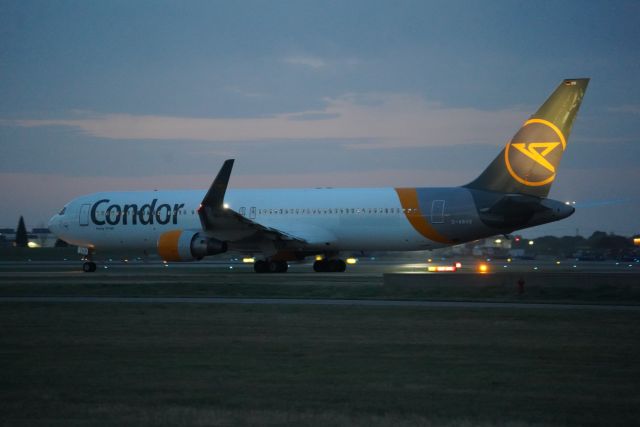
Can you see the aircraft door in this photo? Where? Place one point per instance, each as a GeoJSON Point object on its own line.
{"type": "Point", "coordinates": [437, 212]}
{"type": "Point", "coordinates": [84, 214]}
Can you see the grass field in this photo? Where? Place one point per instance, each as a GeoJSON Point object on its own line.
{"type": "Point", "coordinates": [181, 364]}
{"type": "Point", "coordinates": [130, 281]}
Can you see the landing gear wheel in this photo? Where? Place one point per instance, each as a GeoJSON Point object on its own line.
{"type": "Point", "coordinates": [278, 266]}
{"type": "Point", "coordinates": [89, 267]}
{"type": "Point", "coordinates": [261, 266]}
{"type": "Point", "coordinates": [283, 266]}
{"type": "Point", "coordinates": [318, 266]}
{"type": "Point", "coordinates": [338, 266]}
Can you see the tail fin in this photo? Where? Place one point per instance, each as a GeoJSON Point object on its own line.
{"type": "Point", "coordinates": [528, 164]}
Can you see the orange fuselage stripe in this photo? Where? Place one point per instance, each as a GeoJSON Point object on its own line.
{"type": "Point", "coordinates": [409, 201]}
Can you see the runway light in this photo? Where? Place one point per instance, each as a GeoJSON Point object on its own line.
{"type": "Point", "coordinates": [351, 261]}
{"type": "Point", "coordinates": [248, 260]}
{"type": "Point", "coordinates": [483, 268]}
{"type": "Point", "coordinates": [441, 268]}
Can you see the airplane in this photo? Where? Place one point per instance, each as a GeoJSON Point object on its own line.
{"type": "Point", "coordinates": [281, 225]}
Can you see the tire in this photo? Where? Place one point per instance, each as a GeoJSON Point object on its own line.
{"type": "Point", "coordinates": [278, 267]}
{"type": "Point", "coordinates": [319, 266]}
{"type": "Point", "coordinates": [261, 267]}
{"type": "Point", "coordinates": [334, 265]}
{"type": "Point", "coordinates": [283, 266]}
{"type": "Point", "coordinates": [89, 267]}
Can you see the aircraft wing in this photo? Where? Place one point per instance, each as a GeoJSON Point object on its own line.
{"type": "Point", "coordinates": [226, 224]}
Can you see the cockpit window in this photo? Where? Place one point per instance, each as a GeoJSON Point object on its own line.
{"type": "Point", "coordinates": [63, 211]}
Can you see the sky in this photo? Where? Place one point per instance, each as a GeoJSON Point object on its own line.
{"type": "Point", "coordinates": [121, 95]}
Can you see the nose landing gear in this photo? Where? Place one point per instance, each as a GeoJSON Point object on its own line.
{"type": "Point", "coordinates": [87, 253]}
{"type": "Point", "coordinates": [89, 267]}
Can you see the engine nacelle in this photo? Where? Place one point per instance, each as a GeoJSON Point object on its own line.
{"type": "Point", "coordinates": [180, 245]}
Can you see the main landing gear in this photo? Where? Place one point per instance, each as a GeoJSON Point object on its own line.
{"type": "Point", "coordinates": [329, 266]}
{"type": "Point", "coordinates": [261, 266]}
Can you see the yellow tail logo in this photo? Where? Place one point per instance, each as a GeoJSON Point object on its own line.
{"type": "Point", "coordinates": [532, 155]}
{"type": "Point", "coordinates": [531, 150]}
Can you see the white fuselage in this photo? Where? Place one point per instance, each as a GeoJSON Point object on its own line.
{"type": "Point", "coordinates": [328, 219]}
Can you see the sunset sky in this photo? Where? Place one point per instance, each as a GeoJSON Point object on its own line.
{"type": "Point", "coordinates": [130, 95]}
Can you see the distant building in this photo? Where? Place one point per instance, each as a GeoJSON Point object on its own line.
{"type": "Point", "coordinates": [492, 247]}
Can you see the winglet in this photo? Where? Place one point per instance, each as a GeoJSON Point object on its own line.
{"type": "Point", "coordinates": [214, 199]}
{"type": "Point", "coordinates": [215, 196]}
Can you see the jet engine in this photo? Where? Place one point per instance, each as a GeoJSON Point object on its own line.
{"type": "Point", "coordinates": [181, 245]}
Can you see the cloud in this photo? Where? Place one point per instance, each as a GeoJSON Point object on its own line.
{"type": "Point", "coordinates": [306, 61]}
{"type": "Point", "coordinates": [364, 121]}
{"type": "Point", "coordinates": [628, 108]}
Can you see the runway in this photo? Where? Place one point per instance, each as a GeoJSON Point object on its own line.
{"type": "Point", "coordinates": [372, 283]}
{"type": "Point", "coordinates": [305, 301]}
